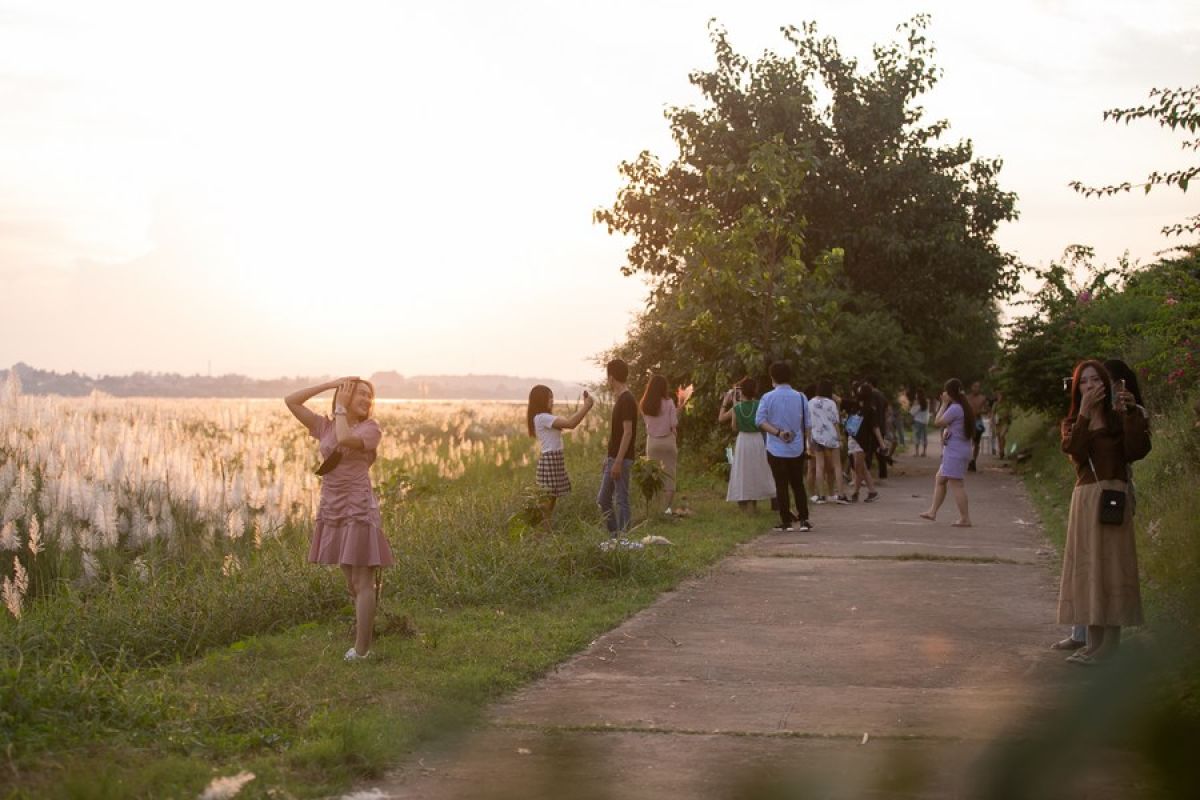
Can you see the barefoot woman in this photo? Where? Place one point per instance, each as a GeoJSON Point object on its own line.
{"type": "Point", "coordinates": [958, 423]}
{"type": "Point", "coordinates": [348, 530]}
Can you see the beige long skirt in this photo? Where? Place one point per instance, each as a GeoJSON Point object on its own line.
{"type": "Point", "coordinates": [664, 450]}
{"type": "Point", "coordinates": [1100, 573]}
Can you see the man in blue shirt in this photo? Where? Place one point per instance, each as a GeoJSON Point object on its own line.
{"type": "Point", "coordinates": [783, 416]}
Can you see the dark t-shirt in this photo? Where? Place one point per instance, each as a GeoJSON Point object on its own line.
{"type": "Point", "coordinates": [625, 409]}
{"type": "Point", "coordinates": [866, 431]}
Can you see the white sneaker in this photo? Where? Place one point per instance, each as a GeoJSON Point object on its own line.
{"type": "Point", "coordinates": [352, 655]}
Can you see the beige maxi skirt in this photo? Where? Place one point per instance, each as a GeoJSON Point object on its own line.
{"type": "Point", "coordinates": [1100, 573]}
{"type": "Point", "coordinates": [664, 450]}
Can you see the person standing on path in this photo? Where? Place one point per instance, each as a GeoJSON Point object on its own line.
{"type": "Point", "coordinates": [1104, 433]}
{"type": "Point", "coordinates": [862, 435]}
{"type": "Point", "coordinates": [348, 530]}
{"type": "Point", "coordinates": [551, 475]}
{"type": "Point", "coordinates": [920, 415]}
{"type": "Point", "coordinates": [613, 498]}
{"type": "Point", "coordinates": [658, 409]}
{"type": "Point", "coordinates": [827, 445]}
{"type": "Point", "coordinates": [783, 415]}
{"type": "Point", "coordinates": [958, 423]}
{"type": "Point", "coordinates": [978, 403]}
{"type": "Point", "coordinates": [749, 475]}
{"type": "Point", "coordinates": [873, 449]}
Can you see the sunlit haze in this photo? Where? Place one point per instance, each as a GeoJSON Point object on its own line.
{"type": "Point", "coordinates": [315, 188]}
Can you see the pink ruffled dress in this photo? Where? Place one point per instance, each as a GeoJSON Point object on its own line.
{"type": "Point", "coordinates": [348, 529]}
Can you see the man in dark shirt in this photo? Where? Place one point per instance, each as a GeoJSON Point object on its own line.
{"type": "Point", "coordinates": [614, 483]}
{"type": "Point", "coordinates": [881, 416]}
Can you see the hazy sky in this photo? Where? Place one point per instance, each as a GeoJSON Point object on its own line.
{"type": "Point", "coordinates": [301, 188]}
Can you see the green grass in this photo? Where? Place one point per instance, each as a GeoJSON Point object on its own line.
{"type": "Point", "coordinates": [132, 689]}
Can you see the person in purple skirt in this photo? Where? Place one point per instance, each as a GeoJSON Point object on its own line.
{"type": "Point", "coordinates": [958, 428]}
{"type": "Point", "coordinates": [348, 530]}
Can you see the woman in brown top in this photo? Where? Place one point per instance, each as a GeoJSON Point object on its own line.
{"type": "Point", "coordinates": [1102, 435]}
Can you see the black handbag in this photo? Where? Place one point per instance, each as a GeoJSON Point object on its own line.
{"type": "Point", "coordinates": [1112, 502]}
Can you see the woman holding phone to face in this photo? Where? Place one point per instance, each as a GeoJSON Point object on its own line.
{"type": "Point", "coordinates": [1103, 434]}
{"type": "Point", "coordinates": [348, 530]}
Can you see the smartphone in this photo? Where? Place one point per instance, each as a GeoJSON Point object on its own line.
{"type": "Point", "coordinates": [585, 394]}
{"type": "Point", "coordinates": [1067, 384]}
{"type": "Point", "coordinates": [1118, 390]}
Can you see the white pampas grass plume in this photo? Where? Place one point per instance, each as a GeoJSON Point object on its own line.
{"type": "Point", "coordinates": [91, 568]}
{"type": "Point", "coordinates": [236, 524]}
{"type": "Point", "coordinates": [14, 589]}
{"type": "Point", "coordinates": [231, 565]}
{"type": "Point", "coordinates": [226, 787]}
{"type": "Point", "coordinates": [8, 537]}
{"type": "Point", "coordinates": [35, 536]}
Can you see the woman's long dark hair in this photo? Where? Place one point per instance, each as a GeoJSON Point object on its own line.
{"type": "Point", "coordinates": [954, 389]}
{"type": "Point", "coordinates": [749, 388]}
{"type": "Point", "coordinates": [1118, 370]}
{"type": "Point", "coordinates": [921, 403]}
{"type": "Point", "coordinates": [652, 398]}
{"type": "Point", "coordinates": [1110, 416]}
{"type": "Point", "coordinates": [539, 403]}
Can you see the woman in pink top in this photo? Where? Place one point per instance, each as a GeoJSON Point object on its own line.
{"type": "Point", "coordinates": [658, 409]}
{"type": "Point", "coordinates": [348, 530]}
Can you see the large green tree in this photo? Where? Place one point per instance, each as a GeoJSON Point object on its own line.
{"type": "Point", "coordinates": [810, 213]}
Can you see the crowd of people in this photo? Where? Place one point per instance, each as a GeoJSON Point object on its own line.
{"type": "Point", "coordinates": [786, 440]}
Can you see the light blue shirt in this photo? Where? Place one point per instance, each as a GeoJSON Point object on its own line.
{"type": "Point", "coordinates": [786, 409]}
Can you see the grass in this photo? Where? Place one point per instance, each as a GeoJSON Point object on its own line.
{"type": "Point", "coordinates": [132, 689]}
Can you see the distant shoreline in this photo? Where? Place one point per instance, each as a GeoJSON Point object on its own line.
{"type": "Point", "coordinates": [389, 386]}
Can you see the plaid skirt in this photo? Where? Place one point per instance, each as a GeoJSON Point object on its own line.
{"type": "Point", "coordinates": [552, 473]}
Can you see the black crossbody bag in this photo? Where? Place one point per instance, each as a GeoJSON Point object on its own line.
{"type": "Point", "coordinates": [1112, 502]}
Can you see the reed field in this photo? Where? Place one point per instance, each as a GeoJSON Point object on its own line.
{"type": "Point", "coordinates": [163, 628]}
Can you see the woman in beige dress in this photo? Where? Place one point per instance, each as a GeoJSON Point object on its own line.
{"type": "Point", "coordinates": [1103, 434]}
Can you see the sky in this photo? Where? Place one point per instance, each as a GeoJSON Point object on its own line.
{"type": "Point", "coordinates": [302, 188]}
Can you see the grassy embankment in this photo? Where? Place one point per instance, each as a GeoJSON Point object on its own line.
{"type": "Point", "coordinates": [150, 688]}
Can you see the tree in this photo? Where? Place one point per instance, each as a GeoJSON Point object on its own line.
{"type": "Point", "coordinates": [788, 226]}
{"type": "Point", "coordinates": [1177, 110]}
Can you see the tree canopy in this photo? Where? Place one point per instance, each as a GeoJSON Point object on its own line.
{"type": "Point", "coordinates": [812, 214]}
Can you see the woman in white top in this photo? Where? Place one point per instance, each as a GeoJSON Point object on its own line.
{"type": "Point", "coordinates": [552, 476]}
{"type": "Point", "coordinates": [750, 478]}
{"type": "Point", "coordinates": [827, 444]}
{"type": "Point", "coordinates": [658, 410]}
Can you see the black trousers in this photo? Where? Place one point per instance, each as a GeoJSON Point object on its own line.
{"type": "Point", "coordinates": [789, 474]}
{"type": "Point", "coordinates": [871, 452]}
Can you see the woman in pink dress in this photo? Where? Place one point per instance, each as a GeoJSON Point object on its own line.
{"type": "Point", "coordinates": [348, 530]}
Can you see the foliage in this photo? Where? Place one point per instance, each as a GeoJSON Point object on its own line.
{"type": "Point", "coordinates": [1176, 110]}
{"type": "Point", "coordinates": [823, 232]}
{"type": "Point", "coordinates": [649, 477]}
{"type": "Point", "coordinates": [1149, 317]}
{"type": "Point", "coordinates": [159, 668]}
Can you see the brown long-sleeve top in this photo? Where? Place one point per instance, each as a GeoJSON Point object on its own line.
{"type": "Point", "coordinates": [1109, 451]}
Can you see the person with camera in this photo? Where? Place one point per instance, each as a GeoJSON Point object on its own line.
{"type": "Point", "coordinates": [783, 415]}
{"type": "Point", "coordinates": [348, 530]}
{"type": "Point", "coordinates": [749, 474]}
{"type": "Point", "coordinates": [1102, 435]}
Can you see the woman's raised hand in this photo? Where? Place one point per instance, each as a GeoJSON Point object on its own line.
{"type": "Point", "coordinates": [1090, 399]}
{"type": "Point", "coordinates": [345, 391]}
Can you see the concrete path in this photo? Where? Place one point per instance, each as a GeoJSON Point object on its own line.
{"type": "Point", "coordinates": [879, 655]}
